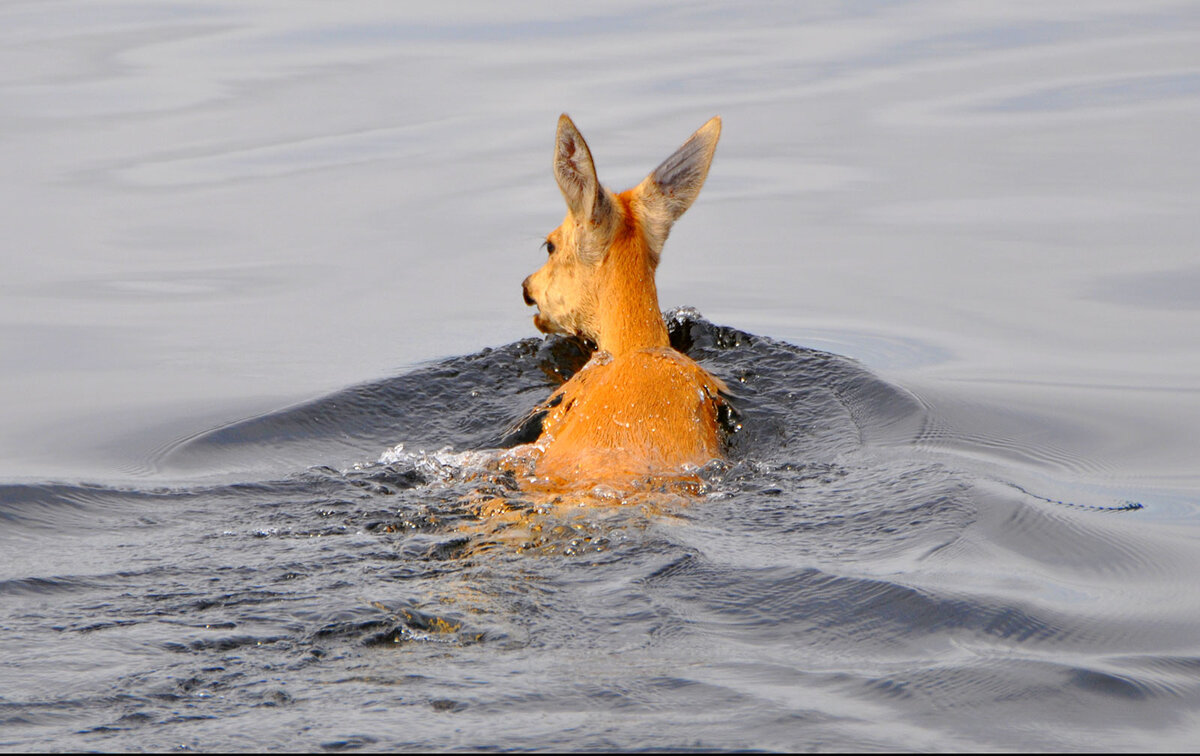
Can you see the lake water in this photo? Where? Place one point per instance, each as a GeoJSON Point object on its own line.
{"type": "Point", "coordinates": [260, 318]}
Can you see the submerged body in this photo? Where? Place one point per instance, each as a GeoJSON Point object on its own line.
{"type": "Point", "coordinates": [625, 418]}
{"type": "Point", "coordinates": [639, 408]}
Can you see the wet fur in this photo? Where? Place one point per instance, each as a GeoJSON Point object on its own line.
{"type": "Point", "coordinates": [639, 408]}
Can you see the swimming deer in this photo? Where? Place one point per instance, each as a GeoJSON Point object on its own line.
{"type": "Point", "coordinates": [638, 408]}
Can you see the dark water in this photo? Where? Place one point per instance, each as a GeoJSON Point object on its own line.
{"type": "Point", "coordinates": [835, 586]}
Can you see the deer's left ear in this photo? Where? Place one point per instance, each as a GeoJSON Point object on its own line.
{"type": "Point", "coordinates": [673, 186]}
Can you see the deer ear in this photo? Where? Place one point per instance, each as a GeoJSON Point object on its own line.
{"type": "Point", "coordinates": [673, 186]}
{"type": "Point", "coordinates": [576, 175]}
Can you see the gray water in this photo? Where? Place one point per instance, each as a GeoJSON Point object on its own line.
{"type": "Point", "coordinates": [253, 252]}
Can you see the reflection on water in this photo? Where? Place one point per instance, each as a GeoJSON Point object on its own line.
{"type": "Point", "coordinates": [216, 210]}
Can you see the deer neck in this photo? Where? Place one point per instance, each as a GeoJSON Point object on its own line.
{"type": "Point", "coordinates": [629, 315]}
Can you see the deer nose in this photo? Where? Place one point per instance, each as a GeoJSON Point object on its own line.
{"type": "Point", "coordinates": [525, 293]}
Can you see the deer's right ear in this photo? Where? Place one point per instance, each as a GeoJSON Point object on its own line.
{"type": "Point", "coordinates": [576, 175]}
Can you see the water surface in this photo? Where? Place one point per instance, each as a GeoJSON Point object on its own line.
{"type": "Point", "coordinates": [254, 251]}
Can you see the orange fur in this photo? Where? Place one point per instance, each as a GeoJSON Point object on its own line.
{"type": "Point", "coordinates": [638, 408]}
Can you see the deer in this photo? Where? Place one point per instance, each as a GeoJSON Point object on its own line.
{"type": "Point", "coordinates": [638, 408]}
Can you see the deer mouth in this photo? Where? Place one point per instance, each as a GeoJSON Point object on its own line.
{"type": "Point", "coordinates": [540, 321]}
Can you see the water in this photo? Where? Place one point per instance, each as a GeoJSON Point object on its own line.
{"type": "Point", "coordinates": [240, 446]}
